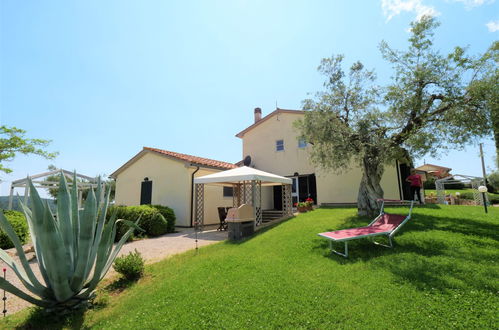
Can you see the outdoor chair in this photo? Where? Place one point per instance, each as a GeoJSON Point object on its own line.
{"type": "Point", "coordinates": [383, 225]}
{"type": "Point", "coordinates": [222, 214]}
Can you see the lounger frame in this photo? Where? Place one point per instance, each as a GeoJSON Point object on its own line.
{"type": "Point", "coordinates": [388, 234]}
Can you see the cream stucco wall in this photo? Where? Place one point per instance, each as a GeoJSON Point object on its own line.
{"type": "Point", "coordinates": [171, 186]}
{"type": "Point", "coordinates": [344, 187]}
{"type": "Point", "coordinates": [260, 144]}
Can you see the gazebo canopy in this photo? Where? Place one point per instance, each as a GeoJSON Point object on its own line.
{"type": "Point", "coordinates": [243, 173]}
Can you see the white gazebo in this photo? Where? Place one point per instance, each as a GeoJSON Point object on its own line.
{"type": "Point", "coordinates": [40, 181]}
{"type": "Point", "coordinates": [247, 183]}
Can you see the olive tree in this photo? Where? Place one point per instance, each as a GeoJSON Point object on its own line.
{"type": "Point", "coordinates": [434, 102]}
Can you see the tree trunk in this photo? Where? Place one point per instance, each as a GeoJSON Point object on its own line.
{"type": "Point", "coordinates": [370, 188]}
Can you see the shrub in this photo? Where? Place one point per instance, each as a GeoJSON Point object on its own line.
{"type": "Point", "coordinates": [429, 183]}
{"type": "Point", "coordinates": [158, 225]}
{"type": "Point", "coordinates": [493, 180]}
{"type": "Point", "coordinates": [154, 220]}
{"type": "Point", "coordinates": [20, 226]}
{"type": "Point", "coordinates": [130, 266]}
{"type": "Point", "coordinates": [169, 216]}
{"type": "Point", "coordinates": [466, 195]}
{"type": "Point", "coordinates": [493, 198]}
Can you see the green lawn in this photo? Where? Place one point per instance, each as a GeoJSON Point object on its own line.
{"type": "Point", "coordinates": [442, 273]}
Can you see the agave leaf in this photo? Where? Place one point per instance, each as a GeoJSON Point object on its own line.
{"type": "Point", "coordinates": [85, 240]}
{"type": "Point", "coordinates": [75, 219]}
{"type": "Point", "coordinates": [101, 271]}
{"type": "Point", "coordinates": [21, 274]}
{"type": "Point", "coordinates": [54, 246]}
{"type": "Point", "coordinates": [7, 286]}
{"type": "Point", "coordinates": [25, 273]}
{"type": "Point", "coordinates": [64, 220]}
{"type": "Point", "coordinates": [33, 229]}
{"type": "Point", "coordinates": [122, 241]}
{"type": "Point", "coordinates": [98, 233]}
{"type": "Point", "coordinates": [104, 248]}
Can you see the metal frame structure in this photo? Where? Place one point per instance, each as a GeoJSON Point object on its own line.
{"type": "Point", "coordinates": [389, 234]}
{"type": "Point", "coordinates": [247, 186]}
{"type": "Point", "coordinates": [245, 192]}
{"type": "Point", "coordinates": [38, 182]}
{"type": "Point", "coordinates": [460, 178]}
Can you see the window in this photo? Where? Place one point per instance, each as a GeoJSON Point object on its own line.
{"type": "Point", "coordinates": [279, 145]}
{"type": "Point", "coordinates": [228, 191]}
{"type": "Point", "coordinates": [302, 143]}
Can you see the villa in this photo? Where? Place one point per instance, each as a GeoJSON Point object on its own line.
{"type": "Point", "coordinates": [270, 144]}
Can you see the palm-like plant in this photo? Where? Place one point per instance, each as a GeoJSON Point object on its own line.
{"type": "Point", "coordinates": [74, 249]}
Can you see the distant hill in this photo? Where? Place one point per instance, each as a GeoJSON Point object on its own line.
{"type": "Point", "coordinates": [4, 203]}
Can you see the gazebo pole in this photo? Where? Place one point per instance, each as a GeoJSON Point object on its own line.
{"type": "Point", "coordinates": [199, 205]}
{"type": "Point", "coordinates": [26, 192]}
{"type": "Point", "coordinates": [11, 196]}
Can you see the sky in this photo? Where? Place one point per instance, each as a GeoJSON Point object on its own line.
{"type": "Point", "coordinates": [102, 79]}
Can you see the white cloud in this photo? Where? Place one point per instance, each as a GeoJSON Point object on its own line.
{"type": "Point", "coordinates": [493, 26]}
{"type": "Point", "coordinates": [470, 4]}
{"type": "Point", "coordinates": [392, 8]}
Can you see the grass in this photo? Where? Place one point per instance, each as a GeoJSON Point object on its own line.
{"type": "Point", "coordinates": [442, 273]}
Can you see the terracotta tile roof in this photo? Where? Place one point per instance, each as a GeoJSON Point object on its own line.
{"type": "Point", "coordinates": [424, 166]}
{"type": "Point", "coordinates": [194, 159]}
{"type": "Point", "coordinates": [275, 112]}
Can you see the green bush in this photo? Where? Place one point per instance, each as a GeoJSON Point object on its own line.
{"type": "Point", "coordinates": [154, 220]}
{"type": "Point", "coordinates": [493, 180]}
{"type": "Point", "coordinates": [20, 226]}
{"type": "Point", "coordinates": [158, 225]}
{"type": "Point", "coordinates": [169, 216]}
{"type": "Point", "coordinates": [493, 198]}
{"type": "Point", "coordinates": [429, 183]}
{"type": "Point", "coordinates": [130, 266]}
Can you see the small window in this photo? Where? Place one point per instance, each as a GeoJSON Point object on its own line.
{"type": "Point", "coordinates": [228, 191]}
{"type": "Point", "coordinates": [279, 145]}
{"type": "Point", "coordinates": [302, 143]}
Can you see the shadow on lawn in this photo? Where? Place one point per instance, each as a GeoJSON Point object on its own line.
{"type": "Point", "coordinates": [427, 257]}
{"type": "Point", "coordinates": [259, 232]}
{"type": "Point", "coordinates": [39, 319]}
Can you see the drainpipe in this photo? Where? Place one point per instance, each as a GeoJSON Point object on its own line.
{"type": "Point", "coordinates": [192, 193]}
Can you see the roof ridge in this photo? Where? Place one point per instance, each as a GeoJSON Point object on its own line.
{"type": "Point", "coordinates": [192, 158]}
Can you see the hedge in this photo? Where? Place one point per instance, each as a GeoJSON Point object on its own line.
{"type": "Point", "coordinates": [493, 198]}
{"type": "Point", "coordinates": [20, 226]}
{"type": "Point", "coordinates": [155, 220]}
{"type": "Point", "coordinates": [169, 215]}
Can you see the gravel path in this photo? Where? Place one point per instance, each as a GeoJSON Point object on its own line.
{"type": "Point", "coordinates": [152, 249]}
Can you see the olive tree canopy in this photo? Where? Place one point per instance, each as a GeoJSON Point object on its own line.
{"type": "Point", "coordinates": [434, 102]}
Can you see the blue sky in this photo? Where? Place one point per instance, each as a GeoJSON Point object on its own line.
{"type": "Point", "coordinates": [102, 79]}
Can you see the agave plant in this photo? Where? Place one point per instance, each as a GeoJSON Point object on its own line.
{"type": "Point", "coordinates": [74, 248]}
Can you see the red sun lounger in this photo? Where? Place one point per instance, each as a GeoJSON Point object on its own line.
{"type": "Point", "coordinates": [384, 224]}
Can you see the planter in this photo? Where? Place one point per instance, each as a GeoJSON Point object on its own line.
{"type": "Point", "coordinates": [302, 209]}
{"type": "Point", "coordinates": [310, 208]}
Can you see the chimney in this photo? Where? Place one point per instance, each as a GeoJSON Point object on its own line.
{"type": "Point", "coordinates": [258, 114]}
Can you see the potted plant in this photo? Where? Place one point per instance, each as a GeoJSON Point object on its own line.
{"type": "Point", "coordinates": [301, 207]}
{"type": "Point", "coordinates": [310, 204]}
